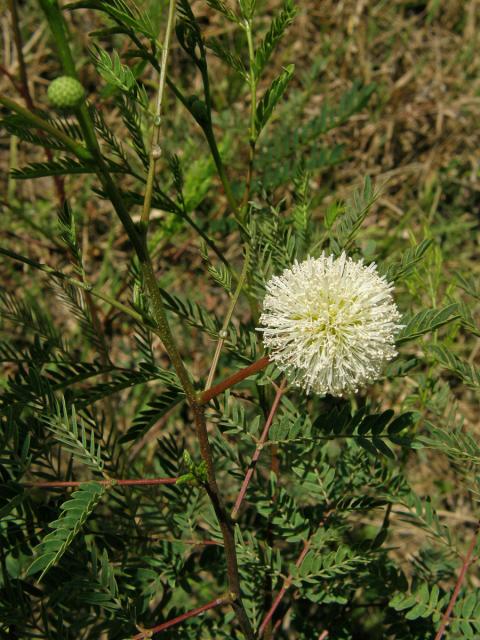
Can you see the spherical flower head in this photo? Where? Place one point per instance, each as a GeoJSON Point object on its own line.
{"type": "Point", "coordinates": [65, 93]}
{"type": "Point", "coordinates": [330, 323]}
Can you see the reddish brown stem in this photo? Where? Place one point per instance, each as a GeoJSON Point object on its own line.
{"type": "Point", "coordinates": [461, 577]}
{"type": "Point", "coordinates": [234, 379]}
{"type": "Point", "coordinates": [148, 633]}
{"type": "Point", "coordinates": [276, 626]}
{"type": "Point", "coordinates": [105, 483]}
{"type": "Point", "coordinates": [258, 450]}
{"type": "Point", "coordinates": [323, 635]}
{"type": "Point", "coordinates": [286, 585]}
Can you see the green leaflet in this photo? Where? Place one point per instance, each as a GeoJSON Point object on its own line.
{"type": "Point", "coordinates": [155, 409]}
{"type": "Point", "coordinates": [219, 5]}
{"type": "Point", "coordinates": [410, 258]}
{"type": "Point", "coordinates": [346, 224]}
{"type": "Point", "coordinates": [76, 510]}
{"type": "Point", "coordinates": [74, 438]}
{"type": "Point", "coordinates": [60, 167]}
{"type": "Point", "coordinates": [278, 26]}
{"type": "Point", "coordinates": [123, 13]}
{"type": "Point", "coordinates": [426, 321]}
{"type": "Point", "coordinates": [429, 601]}
{"type": "Point", "coordinates": [468, 373]}
{"type": "Point", "coordinates": [271, 98]}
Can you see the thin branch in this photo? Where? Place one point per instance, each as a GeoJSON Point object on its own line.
{"type": "Point", "coordinates": [286, 585]}
{"type": "Point", "coordinates": [461, 577]}
{"type": "Point", "coordinates": [228, 317]}
{"type": "Point", "coordinates": [155, 151]}
{"type": "Point", "coordinates": [252, 78]}
{"type": "Point", "coordinates": [219, 388]}
{"type": "Point", "coordinates": [106, 483]}
{"type": "Point", "coordinates": [207, 129]}
{"type": "Point", "coordinates": [160, 317]}
{"type": "Point", "coordinates": [258, 450]}
{"type": "Point", "coordinates": [148, 633]}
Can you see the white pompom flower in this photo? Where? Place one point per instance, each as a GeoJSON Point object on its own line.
{"type": "Point", "coordinates": [330, 324]}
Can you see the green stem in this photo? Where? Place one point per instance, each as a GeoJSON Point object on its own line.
{"type": "Point", "coordinates": [155, 150]}
{"type": "Point", "coordinates": [226, 524]}
{"type": "Point", "coordinates": [161, 321]}
{"type": "Point", "coordinates": [57, 25]}
{"type": "Point", "coordinates": [39, 123]}
{"type": "Point", "coordinates": [228, 317]}
{"type": "Point", "coordinates": [252, 79]}
{"type": "Point", "coordinates": [208, 130]}
{"type": "Point", "coordinates": [60, 35]}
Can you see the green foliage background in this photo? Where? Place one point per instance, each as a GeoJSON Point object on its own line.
{"type": "Point", "coordinates": [381, 486]}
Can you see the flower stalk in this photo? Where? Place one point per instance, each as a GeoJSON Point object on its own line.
{"type": "Point", "coordinates": [234, 379]}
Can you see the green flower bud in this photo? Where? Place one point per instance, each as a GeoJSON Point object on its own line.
{"type": "Point", "coordinates": [65, 93]}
